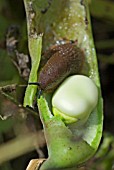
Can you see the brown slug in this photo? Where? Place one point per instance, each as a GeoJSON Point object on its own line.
{"type": "Point", "coordinates": [58, 63]}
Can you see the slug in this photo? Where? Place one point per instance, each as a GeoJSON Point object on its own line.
{"type": "Point", "coordinates": [58, 63]}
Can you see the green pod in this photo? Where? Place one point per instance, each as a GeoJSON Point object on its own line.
{"type": "Point", "coordinates": [68, 145]}
{"type": "Point", "coordinates": [65, 149]}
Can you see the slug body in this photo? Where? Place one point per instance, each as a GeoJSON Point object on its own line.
{"type": "Point", "coordinates": [62, 61]}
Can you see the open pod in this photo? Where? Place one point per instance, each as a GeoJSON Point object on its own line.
{"type": "Point", "coordinates": [48, 22]}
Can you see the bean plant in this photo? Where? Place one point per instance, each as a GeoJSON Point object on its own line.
{"type": "Point", "coordinates": [71, 140]}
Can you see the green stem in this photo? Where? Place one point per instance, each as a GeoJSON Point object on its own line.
{"type": "Point", "coordinates": [35, 46]}
{"type": "Point", "coordinates": [35, 50]}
